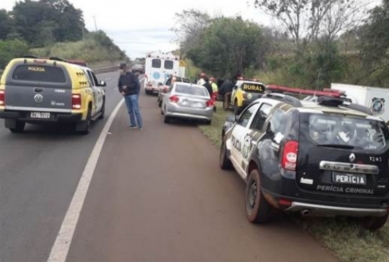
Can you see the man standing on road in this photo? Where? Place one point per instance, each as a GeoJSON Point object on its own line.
{"type": "Point", "coordinates": [129, 87]}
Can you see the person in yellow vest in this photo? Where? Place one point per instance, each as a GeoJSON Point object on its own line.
{"type": "Point", "coordinates": [215, 90]}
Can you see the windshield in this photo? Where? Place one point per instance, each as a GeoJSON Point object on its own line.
{"type": "Point", "coordinates": [344, 131]}
{"type": "Point", "coordinates": [191, 90]}
{"type": "Point", "coordinates": [39, 74]}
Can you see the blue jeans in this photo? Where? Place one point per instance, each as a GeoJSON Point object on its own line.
{"type": "Point", "coordinates": [133, 110]}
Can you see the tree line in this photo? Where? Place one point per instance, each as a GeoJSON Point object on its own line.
{"type": "Point", "coordinates": [315, 43]}
{"type": "Point", "coordinates": [37, 24]}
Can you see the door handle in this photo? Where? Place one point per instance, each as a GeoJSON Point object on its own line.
{"type": "Point", "coordinates": [38, 90]}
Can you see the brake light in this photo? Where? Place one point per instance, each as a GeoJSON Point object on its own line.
{"type": "Point", "coordinates": [209, 103]}
{"type": "Point", "coordinates": [2, 98]}
{"type": "Point", "coordinates": [174, 99]}
{"type": "Point", "coordinates": [76, 101]}
{"type": "Point", "coordinates": [289, 155]}
{"type": "Point", "coordinates": [40, 61]}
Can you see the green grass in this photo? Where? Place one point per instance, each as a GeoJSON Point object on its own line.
{"type": "Point", "coordinates": [89, 50]}
{"type": "Point", "coordinates": [345, 237]}
{"type": "Point", "coordinates": [213, 131]}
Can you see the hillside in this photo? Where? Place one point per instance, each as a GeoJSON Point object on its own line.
{"type": "Point", "coordinates": [96, 48]}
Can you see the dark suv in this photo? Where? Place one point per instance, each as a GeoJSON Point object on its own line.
{"type": "Point", "coordinates": [318, 158]}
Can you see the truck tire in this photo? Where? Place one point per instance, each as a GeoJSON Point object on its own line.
{"type": "Point", "coordinates": [15, 126]}
{"type": "Point", "coordinates": [102, 112]}
{"type": "Point", "coordinates": [258, 210]}
{"type": "Point", "coordinates": [83, 127]}
{"type": "Point", "coordinates": [374, 223]}
{"type": "Point", "coordinates": [224, 162]}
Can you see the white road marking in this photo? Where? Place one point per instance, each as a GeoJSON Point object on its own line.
{"type": "Point", "coordinates": [61, 246]}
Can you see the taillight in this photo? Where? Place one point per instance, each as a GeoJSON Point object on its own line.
{"type": "Point", "coordinates": [209, 103]}
{"type": "Point", "coordinates": [289, 155]}
{"type": "Point", "coordinates": [174, 99]}
{"type": "Point", "coordinates": [76, 101]}
{"type": "Point", "coordinates": [2, 98]}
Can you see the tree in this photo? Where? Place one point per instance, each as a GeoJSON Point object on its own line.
{"type": "Point", "coordinates": [48, 21]}
{"type": "Point", "coordinates": [6, 26]}
{"type": "Point", "coordinates": [10, 49]}
{"type": "Point", "coordinates": [228, 47]}
{"type": "Point", "coordinates": [308, 20]}
{"type": "Point", "coordinates": [191, 25]}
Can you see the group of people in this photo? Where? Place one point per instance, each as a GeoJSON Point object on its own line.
{"type": "Point", "coordinates": [210, 84]}
{"type": "Point", "coordinates": [225, 89]}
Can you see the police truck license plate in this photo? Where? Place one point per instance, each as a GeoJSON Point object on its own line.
{"type": "Point", "coordinates": [41, 115]}
{"type": "Point", "coordinates": [352, 179]}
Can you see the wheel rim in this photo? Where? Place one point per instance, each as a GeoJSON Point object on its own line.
{"type": "Point", "coordinates": [252, 195]}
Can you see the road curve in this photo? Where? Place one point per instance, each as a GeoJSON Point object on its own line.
{"type": "Point", "coordinates": [39, 172]}
{"type": "Point", "coordinates": [159, 195]}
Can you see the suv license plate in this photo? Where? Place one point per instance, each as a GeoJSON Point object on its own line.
{"type": "Point", "coordinates": [41, 115]}
{"type": "Point", "coordinates": [345, 178]}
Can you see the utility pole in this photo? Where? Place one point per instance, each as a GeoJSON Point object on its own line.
{"type": "Point", "coordinates": [94, 18]}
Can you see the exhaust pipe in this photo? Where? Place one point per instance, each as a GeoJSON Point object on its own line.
{"type": "Point", "coordinates": [305, 212]}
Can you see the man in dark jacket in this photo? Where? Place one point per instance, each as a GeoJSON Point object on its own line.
{"type": "Point", "coordinates": [129, 87]}
{"type": "Point", "coordinates": [208, 86]}
{"type": "Point", "coordinates": [226, 90]}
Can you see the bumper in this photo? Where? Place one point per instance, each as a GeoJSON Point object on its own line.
{"type": "Point", "coordinates": [190, 113]}
{"type": "Point", "coordinates": [324, 210]}
{"type": "Point", "coordinates": [154, 90]}
{"type": "Point", "coordinates": [54, 117]}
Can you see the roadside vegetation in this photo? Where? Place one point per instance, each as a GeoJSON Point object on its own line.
{"type": "Point", "coordinates": [52, 28]}
{"type": "Point", "coordinates": [315, 43]}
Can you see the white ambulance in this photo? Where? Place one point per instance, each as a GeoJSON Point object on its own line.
{"type": "Point", "coordinates": [158, 67]}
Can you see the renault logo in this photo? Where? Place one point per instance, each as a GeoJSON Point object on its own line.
{"type": "Point", "coordinates": [38, 98]}
{"type": "Point", "coordinates": [352, 157]}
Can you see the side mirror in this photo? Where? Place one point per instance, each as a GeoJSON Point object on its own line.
{"type": "Point", "coordinates": [160, 84]}
{"type": "Point", "coordinates": [103, 83]}
{"type": "Point", "coordinates": [231, 118]}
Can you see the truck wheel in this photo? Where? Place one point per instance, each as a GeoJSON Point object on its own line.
{"type": "Point", "coordinates": [17, 127]}
{"type": "Point", "coordinates": [83, 127]}
{"type": "Point", "coordinates": [374, 223]}
{"type": "Point", "coordinates": [224, 162]}
{"type": "Point", "coordinates": [258, 210]}
{"type": "Point", "coordinates": [166, 120]}
{"type": "Point", "coordinates": [102, 112]}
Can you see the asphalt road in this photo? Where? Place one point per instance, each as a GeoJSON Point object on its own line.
{"type": "Point", "coordinates": [39, 172]}
{"type": "Point", "coordinates": [156, 195]}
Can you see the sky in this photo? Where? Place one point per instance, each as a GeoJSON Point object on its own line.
{"type": "Point", "coordinates": [143, 26]}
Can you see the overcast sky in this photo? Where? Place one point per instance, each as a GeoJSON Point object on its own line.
{"type": "Point", "coordinates": [141, 26]}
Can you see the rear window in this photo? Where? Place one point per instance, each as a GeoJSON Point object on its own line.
{"type": "Point", "coordinates": [168, 64]}
{"type": "Point", "coordinates": [337, 130]}
{"type": "Point", "coordinates": [192, 90]}
{"type": "Point", "coordinates": [39, 73]}
{"type": "Point", "coordinates": [156, 63]}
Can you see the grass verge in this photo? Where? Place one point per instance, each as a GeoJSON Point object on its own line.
{"type": "Point", "coordinates": [344, 237]}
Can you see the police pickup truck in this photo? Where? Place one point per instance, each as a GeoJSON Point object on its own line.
{"type": "Point", "coordinates": [40, 91]}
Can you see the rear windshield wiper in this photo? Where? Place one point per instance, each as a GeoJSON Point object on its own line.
{"type": "Point", "coordinates": [338, 146]}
